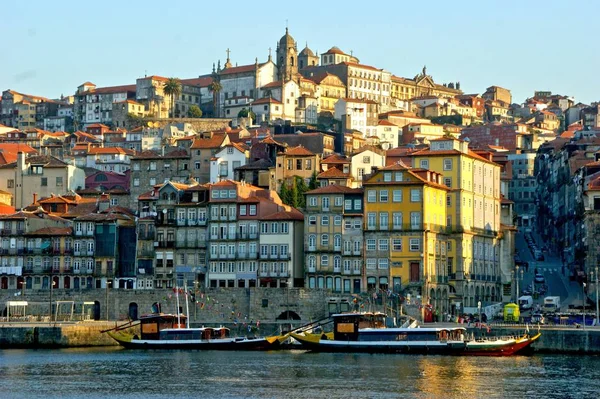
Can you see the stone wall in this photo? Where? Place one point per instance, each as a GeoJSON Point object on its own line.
{"type": "Point", "coordinates": [218, 305]}
{"type": "Point", "coordinates": [198, 124]}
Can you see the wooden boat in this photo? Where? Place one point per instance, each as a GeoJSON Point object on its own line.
{"type": "Point", "coordinates": [168, 331]}
{"type": "Point", "coordinates": [367, 332]}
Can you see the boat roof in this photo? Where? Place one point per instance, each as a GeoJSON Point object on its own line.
{"type": "Point", "coordinates": [413, 329]}
{"type": "Point", "coordinates": [362, 314]}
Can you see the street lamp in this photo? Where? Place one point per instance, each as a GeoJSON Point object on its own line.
{"type": "Point", "coordinates": [479, 307]}
{"type": "Point", "coordinates": [583, 291]}
{"type": "Point", "coordinates": [108, 284]}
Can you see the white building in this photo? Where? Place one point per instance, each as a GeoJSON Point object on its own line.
{"type": "Point", "coordinates": [352, 113]}
{"type": "Point", "coordinates": [94, 105]}
{"type": "Point", "coordinates": [363, 162]}
{"type": "Point", "coordinates": [113, 159]}
{"type": "Point", "coordinates": [223, 164]}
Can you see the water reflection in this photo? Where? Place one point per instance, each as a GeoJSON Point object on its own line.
{"type": "Point", "coordinates": [96, 373]}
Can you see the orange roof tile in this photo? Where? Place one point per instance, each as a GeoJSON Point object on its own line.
{"type": "Point", "coordinates": [299, 150]}
{"type": "Point", "coordinates": [215, 141]}
{"type": "Point", "coordinates": [335, 189]}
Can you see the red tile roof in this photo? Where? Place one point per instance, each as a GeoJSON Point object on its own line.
{"type": "Point", "coordinates": [215, 141]}
{"type": "Point", "coordinates": [266, 100]}
{"type": "Point", "coordinates": [335, 189]}
{"type": "Point", "coordinates": [110, 150]}
{"type": "Point", "coordinates": [333, 173]}
{"type": "Point", "coordinates": [336, 159]}
{"type": "Point", "coordinates": [111, 89]}
{"type": "Point", "coordinates": [277, 83]}
{"type": "Point", "coordinates": [240, 69]}
{"type": "Point", "coordinates": [9, 151]}
{"type": "Point", "coordinates": [292, 214]}
{"type": "Point", "coordinates": [299, 150]}
{"type": "Point", "coordinates": [52, 231]}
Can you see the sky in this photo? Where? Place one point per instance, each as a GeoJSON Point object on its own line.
{"type": "Point", "coordinates": [50, 47]}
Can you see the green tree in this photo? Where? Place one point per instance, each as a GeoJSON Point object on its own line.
{"type": "Point", "coordinates": [172, 88]}
{"type": "Point", "coordinates": [313, 183]}
{"type": "Point", "coordinates": [244, 113]}
{"type": "Point", "coordinates": [301, 188]}
{"type": "Point", "coordinates": [194, 112]}
{"type": "Point", "coordinates": [134, 120]}
{"type": "Point", "coordinates": [294, 194]}
{"type": "Point", "coordinates": [215, 87]}
{"type": "Point", "coordinates": [285, 194]}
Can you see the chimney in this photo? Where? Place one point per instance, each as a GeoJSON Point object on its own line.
{"type": "Point", "coordinates": [21, 165]}
{"type": "Point", "coordinates": [104, 202]}
{"type": "Point", "coordinates": [34, 198]}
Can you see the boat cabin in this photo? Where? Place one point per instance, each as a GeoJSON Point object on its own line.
{"type": "Point", "coordinates": [204, 333]}
{"type": "Point", "coordinates": [346, 325]}
{"type": "Point", "coordinates": [152, 325]}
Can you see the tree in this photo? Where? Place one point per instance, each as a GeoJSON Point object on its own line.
{"type": "Point", "coordinates": [244, 113]}
{"type": "Point", "coordinates": [313, 183]}
{"type": "Point", "coordinates": [301, 188]}
{"type": "Point", "coordinates": [215, 87]}
{"type": "Point", "coordinates": [194, 112]}
{"type": "Point", "coordinates": [134, 120]}
{"type": "Point", "coordinates": [294, 194]}
{"type": "Point", "coordinates": [172, 88]}
{"type": "Point", "coordinates": [285, 194]}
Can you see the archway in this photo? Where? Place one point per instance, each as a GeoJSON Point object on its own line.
{"type": "Point", "coordinates": [96, 310]}
{"type": "Point", "coordinates": [67, 282]}
{"type": "Point", "coordinates": [133, 311]}
{"type": "Point", "coordinates": [288, 315]}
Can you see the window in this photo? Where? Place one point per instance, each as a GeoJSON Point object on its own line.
{"type": "Point", "coordinates": [371, 196]}
{"type": "Point", "coordinates": [325, 203]}
{"type": "Point", "coordinates": [197, 165]}
{"type": "Point", "coordinates": [357, 205]}
{"type": "Point", "coordinates": [415, 244]}
{"type": "Point", "coordinates": [153, 181]}
{"type": "Point", "coordinates": [397, 196]}
{"type": "Point", "coordinates": [384, 263]}
{"type": "Point", "coordinates": [337, 220]}
{"type": "Point", "coordinates": [371, 220]}
{"type": "Point", "coordinates": [448, 181]}
{"type": "Point", "coordinates": [384, 244]}
{"type": "Point", "coordinates": [415, 195]}
{"type": "Point", "coordinates": [387, 177]}
{"type": "Point", "coordinates": [324, 220]}
{"type": "Point", "coordinates": [397, 244]}
{"type": "Point", "coordinates": [371, 244]}
{"type": "Point", "coordinates": [152, 165]}
{"type": "Point", "coordinates": [324, 240]}
{"type": "Point", "coordinates": [312, 220]}
{"type": "Point", "coordinates": [383, 220]}
{"type": "Point", "coordinates": [10, 183]}
{"type": "Point", "coordinates": [324, 260]}
{"type": "Point", "coordinates": [383, 195]}
{"type": "Point", "coordinates": [338, 200]}
{"type": "Point", "coordinates": [447, 164]}
{"type": "Point", "coordinates": [136, 182]}
{"type": "Point", "coordinates": [348, 205]}
{"type": "Point", "coordinates": [397, 220]}
{"type": "Point", "coordinates": [312, 201]}
{"type": "Point", "coordinates": [371, 264]}
{"type": "Point", "coordinates": [298, 164]}
{"type": "Point", "coordinates": [424, 164]}
{"type": "Point", "coordinates": [308, 164]}
{"type": "Point", "coordinates": [243, 210]}
{"type": "Point", "coordinates": [366, 159]}
{"type": "Point", "coordinates": [252, 210]}
{"type": "Point", "coordinates": [59, 181]}
{"type": "Point", "coordinates": [415, 220]}
{"type": "Point", "coordinates": [44, 182]}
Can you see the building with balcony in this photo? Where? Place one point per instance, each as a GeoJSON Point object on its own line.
{"type": "Point", "coordinates": [226, 160]}
{"type": "Point", "coordinates": [333, 239]}
{"type": "Point", "coordinates": [405, 234]}
{"type": "Point", "coordinates": [236, 246]}
{"type": "Point", "coordinates": [475, 242]}
{"type": "Point", "coordinates": [294, 162]}
{"type": "Point", "coordinates": [41, 175]}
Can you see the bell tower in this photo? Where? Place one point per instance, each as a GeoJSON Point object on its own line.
{"type": "Point", "coordinates": [287, 57]}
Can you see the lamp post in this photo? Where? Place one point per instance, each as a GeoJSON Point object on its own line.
{"type": "Point", "coordinates": [51, 291]}
{"type": "Point", "coordinates": [479, 308]}
{"type": "Point", "coordinates": [108, 283]}
{"type": "Point", "coordinates": [583, 292]}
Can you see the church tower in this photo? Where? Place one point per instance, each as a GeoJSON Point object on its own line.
{"type": "Point", "coordinates": [287, 57]}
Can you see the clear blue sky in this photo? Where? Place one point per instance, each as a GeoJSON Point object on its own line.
{"type": "Point", "coordinates": [51, 47]}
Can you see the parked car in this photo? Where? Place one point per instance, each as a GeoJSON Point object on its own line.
{"type": "Point", "coordinates": [539, 278]}
{"type": "Point", "coordinates": [539, 255]}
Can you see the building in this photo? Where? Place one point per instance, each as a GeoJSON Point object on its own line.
{"type": "Point", "coordinates": [123, 109]}
{"type": "Point", "coordinates": [497, 93]}
{"type": "Point", "coordinates": [477, 271]}
{"type": "Point", "coordinates": [333, 239]}
{"type": "Point", "coordinates": [9, 108]}
{"type": "Point", "coordinates": [330, 90]}
{"type": "Point", "coordinates": [365, 161]}
{"type": "Point", "coordinates": [202, 150]}
{"type": "Point", "coordinates": [405, 234]}
{"type": "Point", "coordinates": [150, 168]}
{"type": "Point", "coordinates": [294, 162]}
{"type": "Point", "coordinates": [95, 104]}
{"type": "Point", "coordinates": [358, 115]}
{"type": "Point", "coordinates": [523, 187]}
{"type": "Point", "coordinates": [226, 161]}
{"type": "Point", "coordinates": [40, 176]}
{"type": "Point", "coordinates": [109, 159]}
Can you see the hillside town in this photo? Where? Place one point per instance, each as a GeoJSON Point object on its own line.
{"type": "Point", "coordinates": [297, 169]}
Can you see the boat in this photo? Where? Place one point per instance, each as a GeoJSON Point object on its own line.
{"type": "Point", "coordinates": [370, 332]}
{"type": "Point", "coordinates": [169, 331]}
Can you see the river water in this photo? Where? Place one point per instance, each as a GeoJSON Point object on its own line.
{"type": "Point", "coordinates": [120, 373]}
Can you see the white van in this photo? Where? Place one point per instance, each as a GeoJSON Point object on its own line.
{"type": "Point", "coordinates": [525, 302]}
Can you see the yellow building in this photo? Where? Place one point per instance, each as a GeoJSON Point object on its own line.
{"type": "Point", "coordinates": [472, 220]}
{"type": "Point", "coordinates": [405, 240]}
{"type": "Point", "coordinates": [330, 90]}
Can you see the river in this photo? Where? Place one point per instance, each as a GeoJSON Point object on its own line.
{"type": "Point", "coordinates": [118, 373]}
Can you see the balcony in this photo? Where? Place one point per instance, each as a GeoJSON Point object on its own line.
{"type": "Point", "coordinates": [77, 253]}
{"type": "Point", "coordinates": [144, 253]}
{"type": "Point", "coordinates": [312, 269]}
{"type": "Point", "coordinates": [90, 253]}
{"type": "Point", "coordinates": [165, 244]}
{"type": "Point", "coordinates": [147, 236]}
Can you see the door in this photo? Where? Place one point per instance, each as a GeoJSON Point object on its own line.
{"type": "Point", "coordinates": [414, 271]}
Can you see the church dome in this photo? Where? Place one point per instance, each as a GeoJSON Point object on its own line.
{"type": "Point", "coordinates": [307, 51]}
{"type": "Point", "coordinates": [287, 40]}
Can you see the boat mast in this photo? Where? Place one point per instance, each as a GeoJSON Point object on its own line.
{"type": "Point", "coordinates": [187, 306]}
{"type": "Point", "coordinates": [178, 312]}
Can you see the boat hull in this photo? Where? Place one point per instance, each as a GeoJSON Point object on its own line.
{"type": "Point", "coordinates": [257, 344]}
{"type": "Point", "coordinates": [458, 348]}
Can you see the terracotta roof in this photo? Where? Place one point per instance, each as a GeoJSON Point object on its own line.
{"type": "Point", "coordinates": [240, 69]}
{"type": "Point", "coordinates": [336, 159]}
{"type": "Point", "coordinates": [333, 173]}
{"type": "Point", "coordinates": [203, 81]}
{"type": "Point", "coordinates": [111, 89]}
{"type": "Point", "coordinates": [52, 231]}
{"type": "Point", "coordinates": [271, 140]}
{"type": "Point", "coordinates": [9, 152]}
{"type": "Point", "coordinates": [95, 125]}
{"type": "Point", "coordinates": [277, 83]}
{"type": "Point", "coordinates": [385, 122]}
{"type": "Point", "coordinates": [215, 141]}
{"type": "Point", "coordinates": [319, 77]}
{"type": "Point", "coordinates": [266, 100]}
{"type": "Point", "coordinates": [292, 214]}
{"type": "Point", "coordinates": [110, 150]}
{"type": "Point", "coordinates": [335, 189]}
{"type": "Point", "coordinates": [354, 64]}
{"type": "Point", "coordinates": [46, 161]}
{"type": "Point", "coordinates": [298, 150]}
